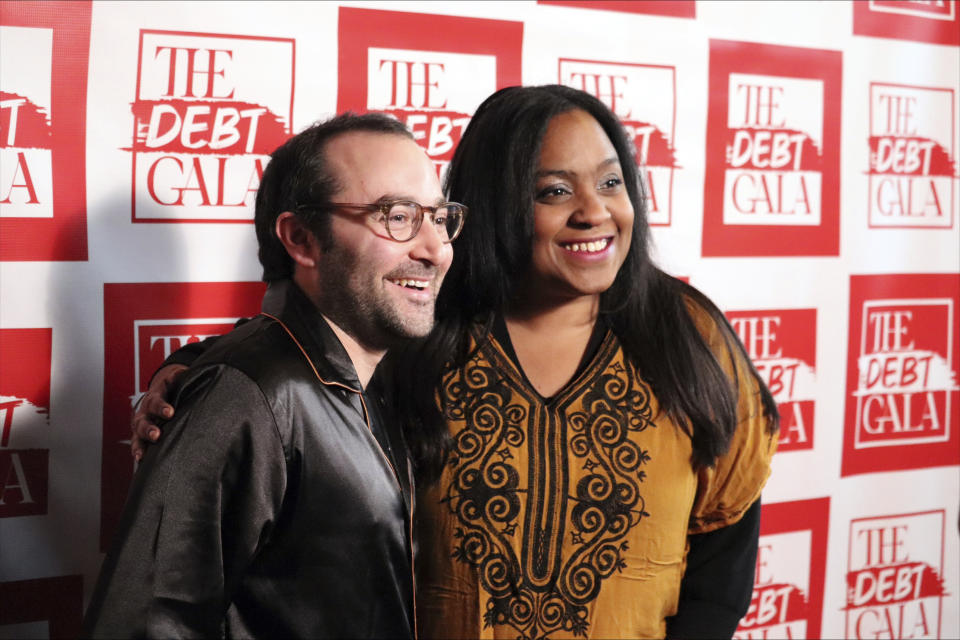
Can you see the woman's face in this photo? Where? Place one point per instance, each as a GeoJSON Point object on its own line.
{"type": "Point", "coordinates": [583, 218]}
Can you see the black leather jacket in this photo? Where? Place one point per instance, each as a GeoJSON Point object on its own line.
{"type": "Point", "coordinates": [276, 504]}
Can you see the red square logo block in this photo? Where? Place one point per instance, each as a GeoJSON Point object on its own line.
{"type": "Point", "coordinates": [783, 347]}
{"type": "Point", "coordinates": [673, 8]}
{"type": "Point", "coordinates": [626, 88]}
{"type": "Point", "coordinates": [913, 171]}
{"type": "Point", "coordinates": [433, 85]}
{"type": "Point", "coordinates": [143, 324]}
{"type": "Point", "coordinates": [895, 576]}
{"type": "Point", "coordinates": [24, 421]}
{"type": "Point", "coordinates": [208, 112]}
{"type": "Point", "coordinates": [43, 96]}
{"type": "Point", "coordinates": [930, 21]}
{"type": "Point", "coordinates": [53, 605]}
{"type": "Point", "coordinates": [787, 599]}
{"type": "Point", "coordinates": [772, 183]}
{"type": "Point", "coordinates": [901, 393]}
{"type": "Point", "coordinates": [24, 481]}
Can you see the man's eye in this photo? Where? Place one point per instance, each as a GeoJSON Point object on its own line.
{"type": "Point", "coordinates": [399, 218]}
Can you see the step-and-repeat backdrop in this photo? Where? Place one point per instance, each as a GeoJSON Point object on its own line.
{"type": "Point", "coordinates": [802, 164]}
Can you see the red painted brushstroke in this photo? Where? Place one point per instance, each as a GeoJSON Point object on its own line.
{"type": "Point", "coordinates": [930, 584]}
{"type": "Point", "coordinates": [810, 157]}
{"type": "Point", "coordinates": [437, 131]}
{"type": "Point", "coordinates": [170, 116]}
{"type": "Point", "coordinates": [660, 153]}
{"type": "Point", "coordinates": [31, 123]}
{"type": "Point", "coordinates": [791, 604]}
{"type": "Point", "coordinates": [938, 163]}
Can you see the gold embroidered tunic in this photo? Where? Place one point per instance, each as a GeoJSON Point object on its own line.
{"type": "Point", "coordinates": [568, 517]}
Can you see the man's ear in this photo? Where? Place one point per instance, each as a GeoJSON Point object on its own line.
{"type": "Point", "coordinates": [299, 241]}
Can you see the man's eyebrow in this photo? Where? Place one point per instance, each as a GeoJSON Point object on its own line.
{"type": "Point", "coordinates": [392, 197]}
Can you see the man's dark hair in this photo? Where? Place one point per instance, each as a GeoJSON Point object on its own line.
{"type": "Point", "coordinates": [298, 174]}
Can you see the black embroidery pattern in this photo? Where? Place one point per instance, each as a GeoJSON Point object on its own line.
{"type": "Point", "coordinates": [532, 585]}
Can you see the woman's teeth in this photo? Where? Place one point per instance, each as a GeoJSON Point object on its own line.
{"type": "Point", "coordinates": [590, 247]}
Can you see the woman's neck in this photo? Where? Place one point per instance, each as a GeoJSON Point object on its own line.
{"type": "Point", "coordinates": [559, 316]}
{"type": "Point", "coordinates": [550, 340]}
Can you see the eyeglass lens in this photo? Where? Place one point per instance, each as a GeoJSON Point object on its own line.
{"type": "Point", "coordinates": [402, 225]}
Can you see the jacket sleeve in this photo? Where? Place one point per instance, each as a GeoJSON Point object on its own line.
{"type": "Point", "coordinates": [188, 353]}
{"type": "Point", "coordinates": [223, 481]}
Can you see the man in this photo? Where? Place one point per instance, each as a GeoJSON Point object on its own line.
{"type": "Point", "coordinates": [278, 503]}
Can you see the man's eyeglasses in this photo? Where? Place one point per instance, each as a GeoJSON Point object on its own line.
{"type": "Point", "coordinates": [402, 218]}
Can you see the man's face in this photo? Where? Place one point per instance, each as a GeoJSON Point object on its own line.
{"type": "Point", "coordinates": [374, 288]}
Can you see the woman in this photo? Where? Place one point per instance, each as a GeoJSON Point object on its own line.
{"type": "Point", "coordinates": [596, 411]}
{"type": "Point", "coordinates": [597, 418]}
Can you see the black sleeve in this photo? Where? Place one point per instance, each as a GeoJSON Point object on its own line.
{"type": "Point", "coordinates": [718, 584]}
{"type": "Point", "coordinates": [201, 507]}
{"type": "Point", "coordinates": [188, 353]}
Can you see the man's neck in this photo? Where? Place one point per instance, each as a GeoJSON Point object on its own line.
{"type": "Point", "coordinates": [364, 360]}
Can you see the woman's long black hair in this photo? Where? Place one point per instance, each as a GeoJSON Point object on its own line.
{"type": "Point", "coordinates": [493, 173]}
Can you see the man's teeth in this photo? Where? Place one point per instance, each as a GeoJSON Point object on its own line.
{"type": "Point", "coordinates": [592, 247]}
{"type": "Point", "coordinates": [414, 284]}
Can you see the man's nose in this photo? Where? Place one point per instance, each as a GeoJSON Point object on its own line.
{"type": "Point", "coordinates": [428, 244]}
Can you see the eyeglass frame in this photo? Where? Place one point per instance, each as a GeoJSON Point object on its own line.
{"type": "Point", "coordinates": [383, 208]}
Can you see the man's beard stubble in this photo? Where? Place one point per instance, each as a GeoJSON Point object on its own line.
{"type": "Point", "coordinates": [357, 300]}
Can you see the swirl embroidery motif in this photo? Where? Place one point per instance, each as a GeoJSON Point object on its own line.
{"type": "Point", "coordinates": [533, 585]}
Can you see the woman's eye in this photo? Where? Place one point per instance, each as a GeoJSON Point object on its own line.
{"type": "Point", "coordinates": [553, 192]}
{"type": "Point", "coordinates": [611, 183]}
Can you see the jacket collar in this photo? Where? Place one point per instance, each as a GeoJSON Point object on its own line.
{"type": "Point", "coordinates": [285, 301]}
